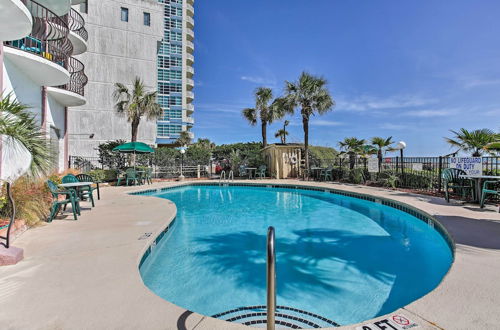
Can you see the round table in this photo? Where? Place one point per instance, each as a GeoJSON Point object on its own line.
{"type": "Point", "coordinates": [478, 179]}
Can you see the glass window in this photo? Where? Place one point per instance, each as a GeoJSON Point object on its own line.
{"type": "Point", "coordinates": [124, 16]}
{"type": "Point", "coordinates": [147, 19]}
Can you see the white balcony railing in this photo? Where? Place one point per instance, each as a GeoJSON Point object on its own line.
{"type": "Point", "coordinates": [190, 82]}
{"type": "Point", "coordinates": [190, 46]}
{"type": "Point", "coordinates": [190, 95]}
{"type": "Point", "coordinates": [190, 120]}
{"type": "Point", "coordinates": [190, 9]}
{"type": "Point", "coordinates": [190, 107]}
{"type": "Point", "coordinates": [189, 21]}
{"type": "Point", "coordinates": [190, 59]}
{"type": "Point", "coordinates": [190, 71]}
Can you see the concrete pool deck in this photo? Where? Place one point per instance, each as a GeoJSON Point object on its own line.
{"type": "Point", "coordinates": [84, 274]}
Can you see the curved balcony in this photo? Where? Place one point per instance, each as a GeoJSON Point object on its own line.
{"type": "Point", "coordinates": [189, 121]}
{"type": "Point", "coordinates": [189, 21]}
{"type": "Point", "coordinates": [43, 54]}
{"type": "Point", "coordinates": [189, 108]}
{"type": "Point", "coordinates": [190, 1]}
{"type": "Point", "coordinates": [15, 19]}
{"type": "Point", "coordinates": [78, 34]}
{"type": "Point", "coordinates": [73, 93]}
{"type": "Point", "coordinates": [190, 10]}
{"type": "Point", "coordinates": [189, 83]}
{"type": "Point", "coordinates": [189, 34]}
{"type": "Point", "coordinates": [189, 96]}
{"type": "Point", "coordinates": [190, 59]}
{"type": "Point", "coordinates": [190, 46]}
{"type": "Point", "coordinates": [189, 71]}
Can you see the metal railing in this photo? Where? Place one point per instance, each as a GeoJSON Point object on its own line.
{"type": "Point", "coordinates": [78, 79]}
{"type": "Point", "coordinates": [48, 37]}
{"type": "Point", "coordinates": [76, 24]}
{"type": "Point", "coordinates": [271, 279]}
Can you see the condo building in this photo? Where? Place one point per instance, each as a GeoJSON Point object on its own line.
{"type": "Point", "coordinates": [124, 38]}
{"type": "Point", "coordinates": [38, 44]}
{"type": "Point", "coordinates": [175, 71]}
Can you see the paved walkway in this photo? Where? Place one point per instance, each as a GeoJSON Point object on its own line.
{"type": "Point", "coordinates": [83, 274]}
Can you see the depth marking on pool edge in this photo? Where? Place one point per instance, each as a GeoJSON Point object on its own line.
{"type": "Point", "coordinates": [393, 322]}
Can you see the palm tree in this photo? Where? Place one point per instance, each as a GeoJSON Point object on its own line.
{"type": "Point", "coordinates": [477, 141]}
{"type": "Point", "coordinates": [184, 139]}
{"type": "Point", "coordinates": [24, 146]}
{"type": "Point", "coordinates": [309, 93]}
{"type": "Point", "coordinates": [282, 133]}
{"type": "Point", "coordinates": [136, 103]}
{"type": "Point", "coordinates": [264, 110]}
{"type": "Point", "coordinates": [206, 144]}
{"type": "Point", "coordinates": [352, 146]}
{"type": "Point", "coordinates": [382, 145]}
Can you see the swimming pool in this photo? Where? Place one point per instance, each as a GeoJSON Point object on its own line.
{"type": "Point", "coordinates": [344, 258]}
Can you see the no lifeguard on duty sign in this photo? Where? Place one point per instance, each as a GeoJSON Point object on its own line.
{"type": "Point", "coordinates": [393, 322]}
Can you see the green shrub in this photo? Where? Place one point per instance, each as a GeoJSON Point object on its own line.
{"type": "Point", "coordinates": [97, 175]}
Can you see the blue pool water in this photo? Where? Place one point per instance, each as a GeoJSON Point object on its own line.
{"type": "Point", "coordinates": [343, 258]}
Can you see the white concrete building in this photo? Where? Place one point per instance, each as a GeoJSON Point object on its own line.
{"type": "Point", "coordinates": [39, 40]}
{"type": "Point", "coordinates": [124, 37]}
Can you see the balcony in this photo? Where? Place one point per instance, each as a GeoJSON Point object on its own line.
{"type": "Point", "coordinates": [190, 10]}
{"type": "Point", "coordinates": [189, 71]}
{"type": "Point", "coordinates": [189, 22]}
{"type": "Point", "coordinates": [78, 34]}
{"type": "Point", "coordinates": [190, 59]}
{"type": "Point", "coordinates": [190, 1]}
{"type": "Point", "coordinates": [190, 134]}
{"type": "Point", "coordinates": [189, 96]}
{"type": "Point", "coordinates": [189, 83]}
{"type": "Point", "coordinates": [189, 108]}
{"type": "Point", "coordinates": [189, 121]}
{"type": "Point", "coordinates": [15, 19]}
{"type": "Point", "coordinates": [190, 46]}
{"type": "Point", "coordinates": [72, 94]}
{"type": "Point", "coordinates": [43, 54]}
{"type": "Point", "coordinates": [189, 34]}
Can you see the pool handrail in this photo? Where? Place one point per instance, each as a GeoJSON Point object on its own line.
{"type": "Point", "coordinates": [271, 279]}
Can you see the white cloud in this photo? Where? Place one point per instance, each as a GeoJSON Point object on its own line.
{"type": "Point", "coordinates": [394, 127]}
{"type": "Point", "coordinates": [321, 122]}
{"type": "Point", "coordinates": [477, 82]}
{"type": "Point", "coordinates": [369, 103]}
{"type": "Point", "coordinates": [428, 113]}
{"type": "Point", "coordinates": [259, 80]}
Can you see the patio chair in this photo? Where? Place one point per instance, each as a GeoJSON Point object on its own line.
{"type": "Point", "coordinates": [490, 188]}
{"type": "Point", "coordinates": [83, 192]}
{"type": "Point", "coordinates": [452, 181]}
{"type": "Point", "coordinates": [261, 172]}
{"type": "Point", "coordinates": [243, 171]}
{"type": "Point", "coordinates": [132, 176]}
{"type": "Point", "coordinates": [326, 174]}
{"type": "Point", "coordinates": [88, 178]}
{"type": "Point", "coordinates": [71, 198]}
{"type": "Point", "coordinates": [148, 175]}
{"type": "Point", "coordinates": [121, 176]}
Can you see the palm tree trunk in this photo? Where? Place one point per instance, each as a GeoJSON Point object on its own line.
{"type": "Point", "coordinates": [135, 129]}
{"type": "Point", "coordinates": [305, 125]}
{"type": "Point", "coordinates": [264, 134]}
{"type": "Point", "coordinates": [379, 156]}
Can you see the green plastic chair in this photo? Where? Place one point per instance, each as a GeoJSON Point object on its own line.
{"type": "Point", "coordinates": [490, 188]}
{"type": "Point", "coordinates": [83, 191]}
{"type": "Point", "coordinates": [121, 176]}
{"type": "Point", "coordinates": [88, 178]}
{"type": "Point", "coordinates": [242, 171]}
{"type": "Point", "coordinates": [452, 181]}
{"type": "Point", "coordinates": [71, 198]}
{"type": "Point", "coordinates": [148, 175]}
{"type": "Point", "coordinates": [132, 176]}
{"type": "Point", "coordinates": [261, 172]}
{"type": "Point", "coordinates": [326, 174]}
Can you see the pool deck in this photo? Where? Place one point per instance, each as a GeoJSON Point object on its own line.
{"type": "Point", "coordinates": [84, 274]}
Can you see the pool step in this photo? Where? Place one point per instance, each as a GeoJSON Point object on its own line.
{"type": "Point", "coordinates": [286, 317]}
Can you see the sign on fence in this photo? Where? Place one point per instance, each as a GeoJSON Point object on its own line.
{"type": "Point", "coordinates": [471, 165]}
{"type": "Point", "coordinates": [373, 165]}
{"type": "Point", "coordinates": [417, 166]}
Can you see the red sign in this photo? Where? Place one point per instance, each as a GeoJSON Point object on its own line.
{"type": "Point", "coordinates": [400, 320]}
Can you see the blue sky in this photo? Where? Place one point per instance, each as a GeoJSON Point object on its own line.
{"type": "Point", "coordinates": [408, 69]}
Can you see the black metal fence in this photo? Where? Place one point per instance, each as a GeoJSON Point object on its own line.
{"type": "Point", "coordinates": [418, 173]}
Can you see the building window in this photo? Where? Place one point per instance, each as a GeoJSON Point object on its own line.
{"type": "Point", "coordinates": [124, 16]}
{"type": "Point", "coordinates": [84, 7]}
{"type": "Point", "coordinates": [147, 19]}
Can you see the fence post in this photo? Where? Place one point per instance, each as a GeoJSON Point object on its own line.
{"type": "Point", "coordinates": [198, 174]}
{"type": "Point", "coordinates": [440, 169]}
{"type": "Point", "coordinates": [69, 161]}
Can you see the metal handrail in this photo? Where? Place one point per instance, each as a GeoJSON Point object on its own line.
{"type": "Point", "coordinates": [76, 23]}
{"type": "Point", "coordinates": [78, 79]}
{"type": "Point", "coordinates": [230, 176]}
{"type": "Point", "coordinates": [271, 279]}
{"type": "Point", "coordinates": [222, 177]}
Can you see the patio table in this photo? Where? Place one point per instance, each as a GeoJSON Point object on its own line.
{"type": "Point", "coordinates": [76, 186]}
{"type": "Point", "coordinates": [316, 172]}
{"type": "Point", "coordinates": [251, 171]}
{"type": "Point", "coordinates": [478, 180]}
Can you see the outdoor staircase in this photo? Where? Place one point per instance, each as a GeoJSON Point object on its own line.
{"type": "Point", "coordinates": [285, 317]}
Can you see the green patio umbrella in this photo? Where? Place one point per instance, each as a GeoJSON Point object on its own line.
{"type": "Point", "coordinates": [134, 148]}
